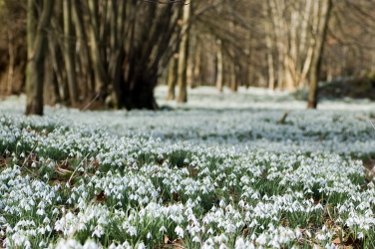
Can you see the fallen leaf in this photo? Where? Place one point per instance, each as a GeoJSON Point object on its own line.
{"type": "Point", "coordinates": [175, 244]}
{"type": "Point", "coordinates": [337, 241]}
{"type": "Point", "coordinates": [101, 197]}
{"type": "Point", "coordinates": [166, 239]}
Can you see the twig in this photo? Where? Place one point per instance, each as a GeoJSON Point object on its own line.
{"type": "Point", "coordinates": [169, 2]}
{"type": "Point", "coordinates": [71, 176]}
{"type": "Point", "coordinates": [282, 120]}
{"type": "Point", "coordinates": [88, 105]}
{"type": "Point", "coordinates": [373, 126]}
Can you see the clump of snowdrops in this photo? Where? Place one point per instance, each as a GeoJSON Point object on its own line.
{"type": "Point", "coordinates": [190, 180]}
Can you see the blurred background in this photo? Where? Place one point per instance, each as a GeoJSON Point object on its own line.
{"type": "Point", "coordinates": [112, 53]}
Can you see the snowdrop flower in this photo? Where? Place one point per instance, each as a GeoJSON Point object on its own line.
{"type": "Point", "coordinates": [41, 230]}
{"type": "Point", "coordinates": [222, 203]}
{"type": "Point", "coordinates": [162, 229]}
{"type": "Point", "coordinates": [179, 231]}
{"type": "Point", "coordinates": [40, 212]}
{"type": "Point", "coordinates": [27, 244]}
{"type": "Point", "coordinates": [90, 245]}
{"type": "Point", "coordinates": [196, 239]}
{"type": "Point", "coordinates": [331, 246]}
{"type": "Point", "coordinates": [131, 230]}
{"type": "Point", "coordinates": [141, 246]}
{"type": "Point", "coordinates": [360, 235]}
{"type": "Point", "coordinates": [149, 235]}
{"type": "Point", "coordinates": [262, 239]}
{"type": "Point", "coordinates": [223, 246]}
{"type": "Point", "coordinates": [68, 244]}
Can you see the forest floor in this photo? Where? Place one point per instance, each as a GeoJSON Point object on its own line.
{"type": "Point", "coordinates": [248, 170]}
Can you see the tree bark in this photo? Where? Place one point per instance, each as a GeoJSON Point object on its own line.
{"type": "Point", "coordinates": [69, 52]}
{"type": "Point", "coordinates": [318, 53]}
{"type": "Point", "coordinates": [232, 77]}
{"type": "Point", "coordinates": [83, 57]}
{"type": "Point", "coordinates": [182, 58]}
{"type": "Point", "coordinates": [270, 59]}
{"type": "Point", "coordinates": [96, 55]}
{"type": "Point", "coordinates": [172, 77]}
{"type": "Point", "coordinates": [37, 43]}
{"type": "Point", "coordinates": [197, 80]}
{"type": "Point", "coordinates": [219, 68]}
{"type": "Point", "coordinates": [10, 77]}
{"type": "Point", "coordinates": [51, 88]}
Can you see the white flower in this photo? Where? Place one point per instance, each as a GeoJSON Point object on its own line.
{"type": "Point", "coordinates": [40, 212]}
{"type": "Point", "coordinates": [360, 235]}
{"type": "Point", "coordinates": [41, 230]}
{"type": "Point", "coordinates": [196, 239]}
{"type": "Point", "coordinates": [223, 246]}
{"type": "Point", "coordinates": [132, 231]}
{"type": "Point", "coordinates": [262, 239]}
{"type": "Point", "coordinates": [90, 245]}
{"type": "Point", "coordinates": [179, 231]}
{"type": "Point", "coordinates": [141, 246]}
{"type": "Point", "coordinates": [320, 236]}
{"type": "Point", "coordinates": [149, 235]}
{"type": "Point", "coordinates": [222, 203]}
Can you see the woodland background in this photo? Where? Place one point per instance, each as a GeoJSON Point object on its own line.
{"type": "Point", "coordinates": [112, 53]}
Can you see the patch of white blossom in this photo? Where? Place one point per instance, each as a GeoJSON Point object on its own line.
{"type": "Point", "coordinates": [209, 177]}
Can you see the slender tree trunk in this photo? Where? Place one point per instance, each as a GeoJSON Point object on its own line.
{"type": "Point", "coordinates": [69, 52]}
{"type": "Point", "coordinates": [190, 71]}
{"type": "Point", "coordinates": [55, 65]}
{"type": "Point", "coordinates": [232, 77]}
{"type": "Point", "coordinates": [182, 58]}
{"type": "Point", "coordinates": [10, 78]}
{"type": "Point", "coordinates": [270, 60]}
{"type": "Point", "coordinates": [51, 88]}
{"type": "Point", "coordinates": [96, 55]}
{"type": "Point", "coordinates": [117, 54]}
{"type": "Point", "coordinates": [318, 53]}
{"type": "Point", "coordinates": [197, 66]}
{"type": "Point", "coordinates": [37, 43]}
{"type": "Point", "coordinates": [219, 68]}
{"type": "Point", "coordinates": [86, 77]}
{"type": "Point", "coordinates": [278, 25]}
{"type": "Point", "coordinates": [172, 77]}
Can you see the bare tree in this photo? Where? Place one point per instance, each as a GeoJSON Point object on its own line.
{"type": "Point", "coordinates": [69, 52]}
{"type": "Point", "coordinates": [320, 37]}
{"type": "Point", "coordinates": [36, 44]}
{"type": "Point", "coordinates": [182, 56]}
{"type": "Point", "coordinates": [172, 77]}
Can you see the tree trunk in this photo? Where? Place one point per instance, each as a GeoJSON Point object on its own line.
{"type": "Point", "coordinates": [219, 69]}
{"type": "Point", "coordinates": [37, 43]}
{"type": "Point", "coordinates": [270, 63]}
{"type": "Point", "coordinates": [232, 77]}
{"type": "Point", "coordinates": [83, 57]}
{"type": "Point", "coordinates": [51, 88]}
{"type": "Point", "coordinates": [10, 77]}
{"type": "Point", "coordinates": [197, 80]}
{"type": "Point", "coordinates": [172, 77]}
{"type": "Point", "coordinates": [69, 52]}
{"type": "Point", "coordinates": [182, 58]}
{"type": "Point", "coordinates": [116, 54]}
{"type": "Point", "coordinates": [96, 55]}
{"type": "Point", "coordinates": [318, 53]}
